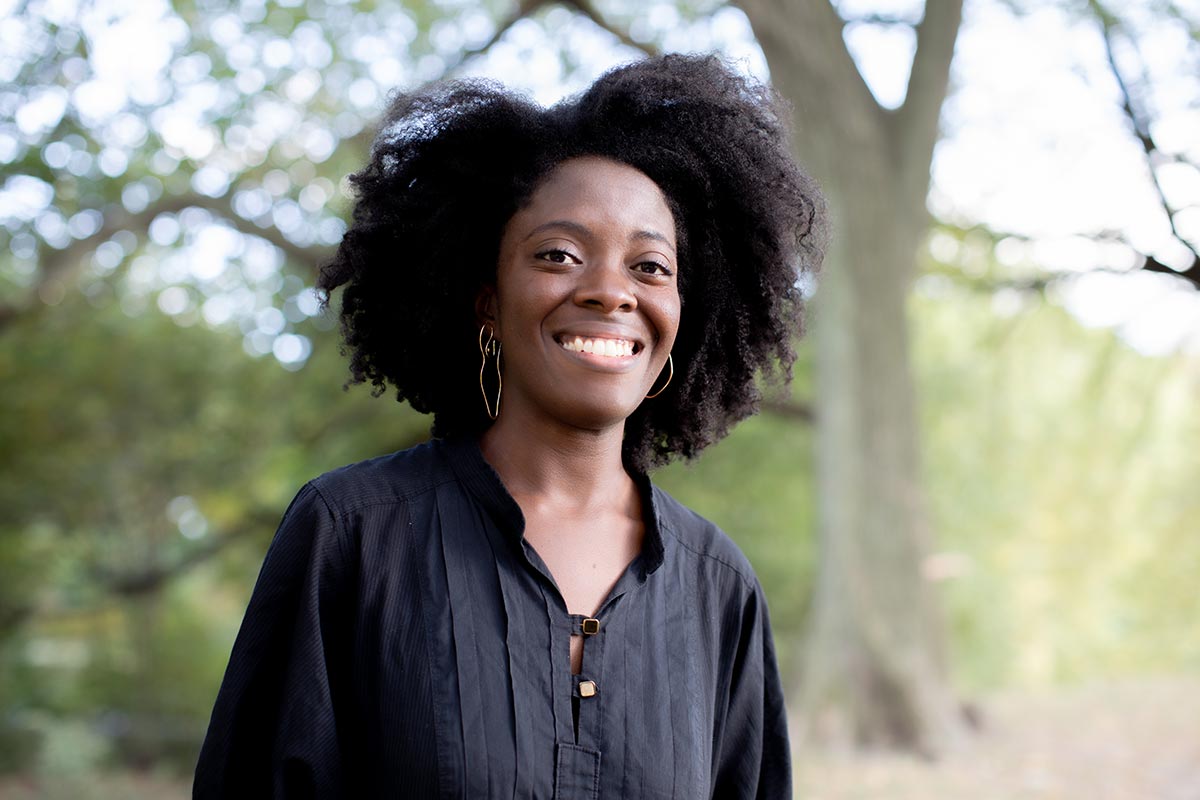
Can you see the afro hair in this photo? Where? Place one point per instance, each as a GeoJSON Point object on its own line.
{"type": "Point", "coordinates": [452, 164]}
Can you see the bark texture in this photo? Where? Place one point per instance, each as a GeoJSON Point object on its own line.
{"type": "Point", "coordinates": [874, 666]}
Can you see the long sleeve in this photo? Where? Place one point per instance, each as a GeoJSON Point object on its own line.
{"type": "Point", "coordinates": [274, 731]}
{"type": "Point", "coordinates": [404, 640]}
{"type": "Point", "coordinates": [753, 759]}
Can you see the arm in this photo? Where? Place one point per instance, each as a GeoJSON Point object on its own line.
{"type": "Point", "coordinates": [273, 731]}
{"type": "Point", "coordinates": [753, 758]}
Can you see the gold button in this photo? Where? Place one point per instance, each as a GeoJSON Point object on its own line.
{"type": "Point", "coordinates": [587, 688]}
{"type": "Point", "coordinates": [591, 626]}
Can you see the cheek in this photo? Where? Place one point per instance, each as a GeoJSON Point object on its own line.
{"type": "Point", "coordinates": [507, 302]}
{"type": "Point", "coordinates": [522, 306]}
{"type": "Point", "coordinates": [668, 316]}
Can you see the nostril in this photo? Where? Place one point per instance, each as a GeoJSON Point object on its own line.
{"type": "Point", "coordinates": [605, 297]}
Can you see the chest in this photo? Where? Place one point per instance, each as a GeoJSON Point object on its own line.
{"type": "Point", "coordinates": [585, 555]}
{"type": "Point", "coordinates": [483, 641]}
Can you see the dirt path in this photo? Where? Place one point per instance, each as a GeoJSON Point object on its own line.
{"type": "Point", "coordinates": [1137, 740]}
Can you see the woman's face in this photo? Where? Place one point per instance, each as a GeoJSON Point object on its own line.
{"type": "Point", "coordinates": [586, 303]}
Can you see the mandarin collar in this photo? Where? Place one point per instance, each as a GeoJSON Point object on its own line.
{"type": "Point", "coordinates": [483, 482]}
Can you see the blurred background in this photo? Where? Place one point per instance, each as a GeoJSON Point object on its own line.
{"type": "Point", "coordinates": [975, 511]}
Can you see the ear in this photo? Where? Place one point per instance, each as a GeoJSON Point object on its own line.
{"type": "Point", "coordinates": [486, 306]}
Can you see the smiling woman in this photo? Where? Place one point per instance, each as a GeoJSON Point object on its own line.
{"type": "Point", "coordinates": [514, 609]}
{"type": "Point", "coordinates": [589, 259]}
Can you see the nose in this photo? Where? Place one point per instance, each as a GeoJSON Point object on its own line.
{"type": "Point", "coordinates": [605, 287]}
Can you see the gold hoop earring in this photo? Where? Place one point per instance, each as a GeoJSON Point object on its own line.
{"type": "Point", "coordinates": [671, 374]}
{"type": "Point", "coordinates": [490, 348]}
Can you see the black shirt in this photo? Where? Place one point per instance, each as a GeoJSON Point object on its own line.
{"type": "Point", "coordinates": [404, 640]}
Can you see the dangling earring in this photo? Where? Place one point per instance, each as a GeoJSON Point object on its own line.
{"type": "Point", "coordinates": [671, 374]}
{"type": "Point", "coordinates": [490, 348]}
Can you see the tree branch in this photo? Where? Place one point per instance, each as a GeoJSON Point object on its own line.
{"type": "Point", "coordinates": [1036, 284]}
{"type": "Point", "coordinates": [56, 265]}
{"type": "Point", "coordinates": [587, 9]}
{"type": "Point", "coordinates": [131, 583]}
{"type": "Point", "coordinates": [790, 409]}
{"type": "Point", "coordinates": [1191, 275]}
{"type": "Point", "coordinates": [525, 8]}
{"type": "Point", "coordinates": [56, 262]}
{"type": "Point", "coordinates": [916, 122]}
{"type": "Point", "coordinates": [311, 256]}
{"type": "Point", "coordinates": [810, 65]}
{"type": "Point", "coordinates": [888, 20]}
{"type": "Point", "coordinates": [362, 140]}
{"type": "Point", "coordinates": [1141, 130]}
{"type": "Point", "coordinates": [13, 616]}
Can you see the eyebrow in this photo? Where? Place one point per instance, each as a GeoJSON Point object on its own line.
{"type": "Point", "coordinates": [586, 232]}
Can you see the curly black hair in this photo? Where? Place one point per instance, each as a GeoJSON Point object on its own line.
{"type": "Point", "coordinates": [453, 163]}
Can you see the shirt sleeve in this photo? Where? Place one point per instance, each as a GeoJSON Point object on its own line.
{"type": "Point", "coordinates": [753, 756]}
{"type": "Point", "coordinates": [274, 731]}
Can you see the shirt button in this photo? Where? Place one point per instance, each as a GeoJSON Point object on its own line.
{"type": "Point", "coordinates": [591, 627]}
{"type": "Point", "coordinates": [587, 688]}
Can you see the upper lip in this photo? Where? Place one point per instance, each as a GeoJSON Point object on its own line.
{"type": "Point", "coordinates": [601, 331]}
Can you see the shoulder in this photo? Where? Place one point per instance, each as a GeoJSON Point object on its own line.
{"type": "Point", "coordinates": [390, 479]}
{"type": "Point", "coordinates": [701, 539]}
{"type": "Point", "coordinates": [333, 514]}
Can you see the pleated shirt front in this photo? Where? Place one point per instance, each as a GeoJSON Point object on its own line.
{"type": "Point", "coordinates": [404, 641]}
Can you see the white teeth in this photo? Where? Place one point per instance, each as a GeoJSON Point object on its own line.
{"type": "Point", "coordinates": [611, 348]}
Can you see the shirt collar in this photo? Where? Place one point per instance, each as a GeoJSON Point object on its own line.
{"type": "Point", "coordinates": [481, 480]}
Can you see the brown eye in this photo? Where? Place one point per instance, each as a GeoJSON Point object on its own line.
{"type": "Point", "coordinates": [556, 256]}
{"type": "Point", "coordinates": [653, 268]}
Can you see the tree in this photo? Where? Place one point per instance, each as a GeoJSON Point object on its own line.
{"type": "Point", "coordinates": [874, 668]}
{"type": "Point", "coordinates": [204, 181]}
{"type": "Point", "coordinates": [875, 658]}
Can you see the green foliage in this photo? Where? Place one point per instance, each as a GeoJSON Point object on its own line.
{"type": "Point", "coordinates": [146, 467]}
{"type": "Point", "coordinates": [1059, 466]}
{"type": "Point", "coordinates": [147, 456]}
{"type": "Point", "coordinates": [757, 485]}
{"type": "Point", "coordinates": [1062, 471]}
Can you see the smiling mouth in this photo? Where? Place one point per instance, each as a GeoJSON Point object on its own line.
{"type": "Point", "coordinates": [609, 348]}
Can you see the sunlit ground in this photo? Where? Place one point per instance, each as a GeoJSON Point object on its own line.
{"type": "Point", "coordinates": [1135, 740]}
{"type": "Point", "coordinates": [1132, 740]}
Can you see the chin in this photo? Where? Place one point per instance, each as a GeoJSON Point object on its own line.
{"type": "Point", "coordinates": [597, 413]}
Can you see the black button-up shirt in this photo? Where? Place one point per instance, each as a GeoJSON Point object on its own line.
{"type": "Point", "coordinates": [404, 640]}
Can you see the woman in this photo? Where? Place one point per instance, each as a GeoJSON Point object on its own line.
{"type": "Point", "coordinates": [577, 294]}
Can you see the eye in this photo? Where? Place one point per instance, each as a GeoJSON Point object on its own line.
{"type": "Point", "coordinates": [653, 268]}
{"type": "Point", "coordinates": [558, 256]}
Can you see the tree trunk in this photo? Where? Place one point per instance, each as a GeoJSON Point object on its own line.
{"type": "Point", "coordinates": [874, 670]}
{"type": "Point", "coordinates": [874, 663]}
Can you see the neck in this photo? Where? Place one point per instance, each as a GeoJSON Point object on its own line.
{"type": "Point", "coordinates": [557, 464]}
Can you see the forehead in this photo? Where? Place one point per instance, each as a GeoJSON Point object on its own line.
{"type": "Point", "coordinates": [598, 191]}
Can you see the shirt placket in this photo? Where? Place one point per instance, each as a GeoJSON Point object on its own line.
{"type": "Point", "coordinates": [578, 756]}
{"type": "Point", "coordinates": [586, 686]}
